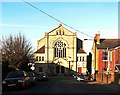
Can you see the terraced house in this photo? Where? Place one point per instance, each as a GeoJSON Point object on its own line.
{"type": "Point", "coordinates": [60, 52]}
{"type": "Point", "coordinates": [106, 58]}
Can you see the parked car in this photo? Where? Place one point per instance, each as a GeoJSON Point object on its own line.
{"type": "Point", "coordinates": [33, 78]}
{"type": "Point", "coordinates": [16, 79]}
{"type": "Point", "coordinates": [41, 76]}
{"type": "Point", "coordinates": [74, 76]}
{"type": "Point", "coordinates": [80, 77]}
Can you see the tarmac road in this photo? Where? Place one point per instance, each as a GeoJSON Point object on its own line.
{"type": "Point", "coordinates": [63, 84]}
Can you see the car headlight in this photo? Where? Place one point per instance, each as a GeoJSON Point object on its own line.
{"type": "Point", "coordinates": [4, 82]}
{"type": "Point", "coordinates": [20, 81]}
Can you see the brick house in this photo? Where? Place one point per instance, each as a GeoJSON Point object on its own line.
{"type": "Point", "coordinates": [107, 57]}
{"type": "Point", "coordinates": [82, 61]}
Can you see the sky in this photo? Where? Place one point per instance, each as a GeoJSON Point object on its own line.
{"type": "Point", "coordinates": [87, 17]}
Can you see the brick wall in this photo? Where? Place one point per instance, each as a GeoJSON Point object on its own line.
{"type": "Point", "coordinates": [105, 77]}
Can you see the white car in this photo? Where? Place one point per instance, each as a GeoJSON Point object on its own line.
{"type": "Point", "coordinates": [80, 77]}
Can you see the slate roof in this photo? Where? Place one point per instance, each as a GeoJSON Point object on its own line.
{"type": "Point", "coordinates": [41, 50]}
{"type": "Point", "coordinates": [81, 51]}
{"type": "Point", "coordinates": [79, 44]}
{"type": "Point", "coordinates": [110, 43]}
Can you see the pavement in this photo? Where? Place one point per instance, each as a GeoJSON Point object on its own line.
{"type": "Point", "coordinates": [111, 86]}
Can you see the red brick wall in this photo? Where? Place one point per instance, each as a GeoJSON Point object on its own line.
{"type": "Point", "coordinates": [104, 64]}
{"type": "Point", "coordinates": [105, 78]}
{"type": "Point", "coordinates": [101, 64]}
{"type": "Point", "coordinates": [101, 76]}
{"type": "Point", "coordinates": [117, 56]}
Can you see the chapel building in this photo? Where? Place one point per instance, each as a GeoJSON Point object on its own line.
{"type": "Point", "coordinates": [60, 52]}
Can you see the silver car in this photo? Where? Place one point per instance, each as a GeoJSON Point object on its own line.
{"type": "Point", "coordinates": [80, 77]}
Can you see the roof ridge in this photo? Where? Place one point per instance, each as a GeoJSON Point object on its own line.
{"type": "Point", "coordinates": [110, 38]}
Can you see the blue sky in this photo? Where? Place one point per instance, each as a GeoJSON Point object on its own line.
{"type": "Point", "coordinates": [88, 17]}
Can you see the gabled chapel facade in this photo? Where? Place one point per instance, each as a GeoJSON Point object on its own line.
{"type": "Point", "coordinates": [58, 52]}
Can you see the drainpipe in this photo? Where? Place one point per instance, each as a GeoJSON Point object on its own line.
{"type": "Point", "coordinates": [95, 41]}
{"type": "Point", "coordinates": [108, 59]}
{"type": "Point", "coordinates": [114, 59]}
{"type": "Point", "coordinates": [108, 63]}
{"type": "Point", "coordinates": [114, 64]}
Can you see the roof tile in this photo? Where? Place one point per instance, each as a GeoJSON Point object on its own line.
{"type": "Point", "coordinates": [81, 51]}
{"type": "Point", "coordinates": [41, 50]}
{"type": "Point", "coordinates": [110, 43]}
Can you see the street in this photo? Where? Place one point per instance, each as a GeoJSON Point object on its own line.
{"type": "Point", "coordinates": [63, 84]}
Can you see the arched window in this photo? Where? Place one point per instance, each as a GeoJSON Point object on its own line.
{"type": "Point", "coordinates": [60, 49]}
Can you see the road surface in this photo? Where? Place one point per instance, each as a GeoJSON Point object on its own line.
{"type": "Point", "coordinates": [63, 84]}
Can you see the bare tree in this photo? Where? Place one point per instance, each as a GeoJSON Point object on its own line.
{"type": "Point", "coordinates": [17, 50]}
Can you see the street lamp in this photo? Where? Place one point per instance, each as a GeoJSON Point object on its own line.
{"type": "Point", "coordinates": [32, 66]}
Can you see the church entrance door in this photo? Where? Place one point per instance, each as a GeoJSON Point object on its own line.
{"type": "Point", "coordinates": [62, 69]}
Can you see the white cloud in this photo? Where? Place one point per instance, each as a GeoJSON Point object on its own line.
{"type": "Point", "coordinates": [24, 26]}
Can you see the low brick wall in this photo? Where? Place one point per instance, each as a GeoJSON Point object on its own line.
{"type": "Point", "coordinates": [105, 77]}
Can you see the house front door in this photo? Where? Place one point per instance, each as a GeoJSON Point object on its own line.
{"type": "Point", "coordinates": [80, 70]}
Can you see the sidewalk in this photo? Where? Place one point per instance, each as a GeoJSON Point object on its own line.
{"type": "Point", "coordinates": [111, 86]}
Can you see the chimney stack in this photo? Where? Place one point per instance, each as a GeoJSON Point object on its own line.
{"type": "Point", "coordinates": [97, 38]}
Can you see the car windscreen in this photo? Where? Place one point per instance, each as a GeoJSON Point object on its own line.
{"type": "Point", "coordinates": [15, 74]}
{"type": "Point", "coordinates": [40, 74]}
{"type": "Point", "coordinates": [81, 76]}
